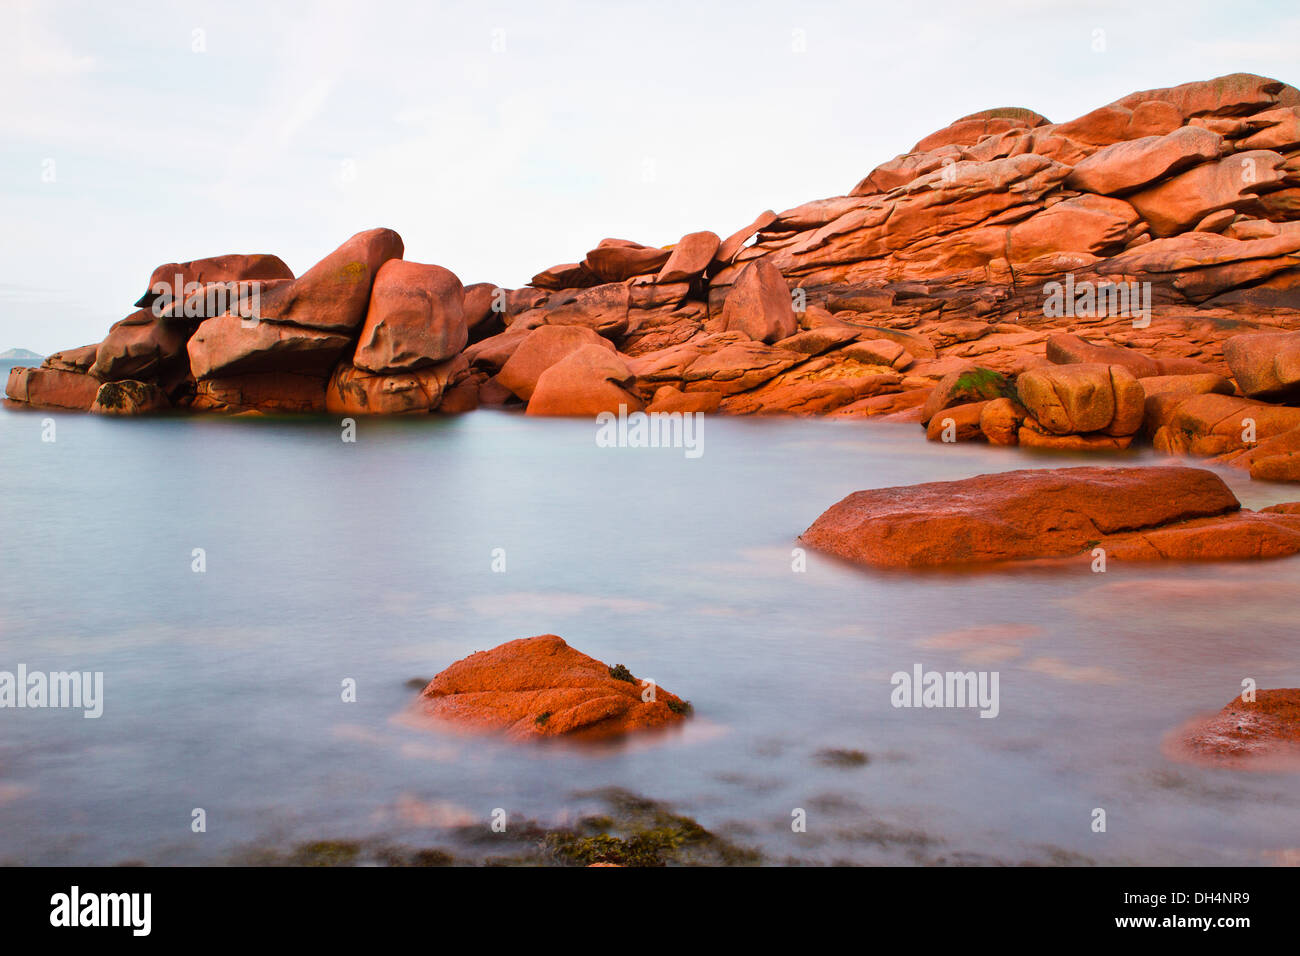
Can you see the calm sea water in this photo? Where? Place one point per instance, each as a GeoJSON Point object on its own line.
{"type": "Point", "coordinates": [373, 561]}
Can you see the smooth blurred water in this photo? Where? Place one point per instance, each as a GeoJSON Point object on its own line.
{"type": "Point", "coordinates": [373, 561]}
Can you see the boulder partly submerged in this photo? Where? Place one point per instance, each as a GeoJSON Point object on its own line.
{"type": "Point", "coordinates": [1259, 734]}
{"type": "Point", "coordinates": [541, 687]}
{"type": "Point", "coordinates": [1139, 514]}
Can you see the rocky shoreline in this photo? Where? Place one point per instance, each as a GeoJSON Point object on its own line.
{"type": "Point", "coordinates": [1131, 276]}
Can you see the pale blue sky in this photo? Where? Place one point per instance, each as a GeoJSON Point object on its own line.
{"type": "Point", "coordinates": [501, 138]}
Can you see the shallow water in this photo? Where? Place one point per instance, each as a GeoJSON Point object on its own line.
{"type": "Point", "coordinates": [373, 561]}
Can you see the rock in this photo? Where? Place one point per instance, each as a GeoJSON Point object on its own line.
{"type": "Point", "coordinates": [736, 367]}
{"type": "Point", "coordinates": [690, 257]}
{"type": "Point", "coordinates": [822, 339]}
{"type": "Point", "coordinates": [1237, 94]}
{"type": "Point", "coordinates": [1034, 435]}
{"type": "Point", "coordinates": [969, 130]}
{"type": "Point", "coordinates": [1127, 166]}
{"type": "Point", "coordinates": [966, 385]}
{"type": "Point", "coordinates": [1213, 424]}
{"type": "Point", "coordinates": [1262, 734]}
{"type": "Point", "coordinates": [540, 687]}
{"type": "Point", "coordinates": [52, 388]}
{"type": "Point", "coordinates": [261, 391]}
{"type": "Point", "coordinates": [668, 399]}
{"type": "Point", "coordinates": [1093, 224]}
{"type": "Point", "coordinates": [601, 308]}
{"type": "Point", "coordinates": [617, 260]}
{"type": "Point", "coordinates": [416, 318]}
{"type": "Point", "coordinates": [230, 268]}
{"type": "Point", "coordinates": [1066, 349]}
{"type": "Point", "coordinates": [72, 360]}
{"type": "Point", "coordinates": [759, 305]}
{"type": "Point", "coordinates": [958, 423]}
{"type": "Point", "coordinates": [588, 381]}
{"type": "Point", "coordinates": [1073, 399]}
{"type": "Point", "coordinates": [354, 391]}
{"type": "Point", "coordinates": [332, 295]}
{"type": "Point", "coordinates": [1114, 124]}
{"type": "Point", "coordinates": [1000, 421]}
{"type": "Point", "coordinates": [484, 307]}
{"type": "Point", "coordinates": [542, 348]}
{"type": "Point", "coordinates": [1179, 203]}
{"type": "Point", "coordinates": [228, 345]}
{"type": "Point", "coordinates": [879, 352]}
{"type": "Point", "coordinates": [569, 275]}
{"type": "Point", "coordinates": [129, 398]}
{"type": "Point", "coordinates": [1042, 513]}
{"type": "Point", "coordinates": [732, 245]}
{"type": "Point", "coordinates": [1276, 468]}
{"type": "Point", "coordinates": [1266, 365]}
{"type": "Point", "coordinates": [143, 348]}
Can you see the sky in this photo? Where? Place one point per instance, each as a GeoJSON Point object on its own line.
{"type": "Point", "coordinates": [500, 138]}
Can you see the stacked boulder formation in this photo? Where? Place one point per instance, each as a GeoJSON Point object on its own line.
{"type": "Point", "coordinates": [1130, 275]}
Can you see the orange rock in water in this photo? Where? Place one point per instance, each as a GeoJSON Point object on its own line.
{"type": "Point", "coordinates": [541, 687]}
{"type": "Point", "coordinates": [1263, 734]}
{"type": "Point", "coordinates": [1133, 513]}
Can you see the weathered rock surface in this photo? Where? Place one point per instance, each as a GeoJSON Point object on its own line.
{"type": "Point", "coordinates": [416, 318]}
{"type": "Point", "coordinates": [1133, 513]}
{"type": "Point", "coordinates": [540, 687]}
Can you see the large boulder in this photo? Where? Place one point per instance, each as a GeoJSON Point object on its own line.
{"type": "Point", "coordinates": [1134, 513]}
{"type": "Point", "coordinates": [169, 281]}
{"type": "Point", "coordinates": [144, 348]}
{"type": "Point", "coordinates": [52, 388]}
{"type": "Point", "coordinates": [588, 381]}
{"type": "Point", "coordinates": [229, 345]}
{"type": "Point", "coordinates": [1125, 167]}
{"type": "Point", "coordinates": [759, 304]}
{"type": "Point", "coordinates": [416, 318]}
{"type": "Point", "coordinates": [617, 260]}
{"type": "Point", "coordinates": [541, 687]}
{"type": "Point", "coordinates": [1213, 424]}
{"type": "Point", "coordinates": [542, 348]}
{"type": "Point", "coordinates": [690, 257]}
{"type": "Point", "coordinates": [1182, 201]}
{"type": "Point", "coordinates": [129, 398]}
{"type": "Point", "coordinates": [1266, 365]}
{"type": "Point", "coordinates": [602, 308]}
{"type": "Point", "coordinates": [333, 294]}
{"type": "Point", "coordinates": [1074, 399]}
{"type": "Point", "coordinates": [965, 386]}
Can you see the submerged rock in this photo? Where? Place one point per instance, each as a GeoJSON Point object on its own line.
{"type": "Point", "coordinates": [1263, 734]}
{"type": "Point", "coordinates": [541, 687]}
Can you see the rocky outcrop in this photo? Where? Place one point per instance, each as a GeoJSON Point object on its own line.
{"type": "Point", "coordinates": [1158, 235]}
{"type": "Point", "coordinates": [1130, 513]}
{"type": "Point", "coordinates": [541, 687]}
